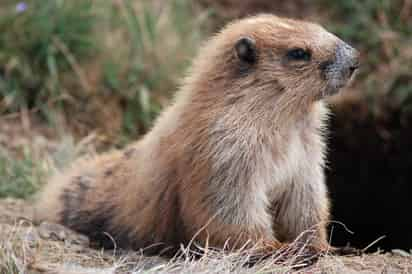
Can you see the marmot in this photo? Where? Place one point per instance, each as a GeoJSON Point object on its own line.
{"type": "Point", "coordinates": [237, 158]}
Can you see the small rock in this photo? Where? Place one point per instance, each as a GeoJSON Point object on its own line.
{"type": "Point", "coordinates": [52, 231]}
{"type": "Point", "coordinates": [74, 248]}
{"type": "Point", "coordinates": [31, 238]}
{"type": "Point", "coordinates": [78, 239]}
{"type": "Point", "coordinates": [61, 235]}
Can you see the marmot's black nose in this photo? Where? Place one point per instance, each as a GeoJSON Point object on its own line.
{"type": "Point", "coordinates": [347, 59]}
{"type": "Point", "coordinates": [353, 68]}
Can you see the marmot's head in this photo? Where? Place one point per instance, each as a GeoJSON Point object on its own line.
{"type": "Point", "coordinates": [264, 57]}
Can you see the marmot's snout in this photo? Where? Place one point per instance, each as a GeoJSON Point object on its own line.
{"type": "Point", "coordinates": [340, 70]}
{"type": "Point", "coordinates": [347, 59]}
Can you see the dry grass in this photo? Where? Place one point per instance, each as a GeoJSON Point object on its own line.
{"type": "Point", "coordinates": [24, 249]}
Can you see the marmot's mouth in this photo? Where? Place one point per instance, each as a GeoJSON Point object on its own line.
{"type": "Point", "coordinates": [338, 73]}
{"type": "Point", "coordinates": [331, 90]}
{"type": "Point", "coordinates": [335, 85]}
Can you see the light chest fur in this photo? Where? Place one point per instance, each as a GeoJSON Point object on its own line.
{"type": "Point", "coordinates": [265, 164]}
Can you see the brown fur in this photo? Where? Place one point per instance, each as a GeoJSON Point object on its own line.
{"type": "Point", "coordinates": [238, 157]}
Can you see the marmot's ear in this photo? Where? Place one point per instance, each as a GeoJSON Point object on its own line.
{"type": "Point", "coordinates": [246, 50]}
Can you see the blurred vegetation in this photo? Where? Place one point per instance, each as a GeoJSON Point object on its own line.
{"type": "Point", "coordinates": [19, 178]}
{"type": "Point", "coordinates": [162, 43]}
{"type": "Point", "coordinates": [36, 42]}
{"type": "Point", "coordinates": [61, 55]}
{"type": "Point", "coordinates": [382, 31]}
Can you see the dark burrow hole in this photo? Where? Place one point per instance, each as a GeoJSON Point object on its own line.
{"type": "Point", "coordinates": [370, 178]}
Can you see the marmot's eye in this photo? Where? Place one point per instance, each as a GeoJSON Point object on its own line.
{"type": "Point", "coordinates": [299, 54]}
{"type": "Point", "coordinates": [246, 50]}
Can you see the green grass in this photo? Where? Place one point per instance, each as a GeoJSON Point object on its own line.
{"type": "Point", "coordinates": [35, 49]}
{"type": "Point", "coordinates": [62, 57]}
{"type": "Point", "coordinates": [19, 178]}
{"type": "Point", "coordinates": [158, 46]}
